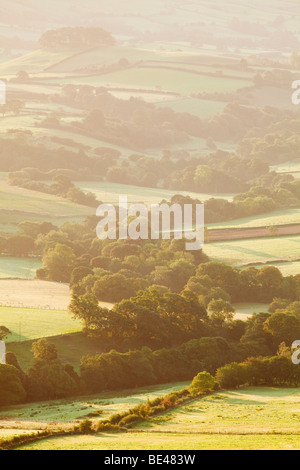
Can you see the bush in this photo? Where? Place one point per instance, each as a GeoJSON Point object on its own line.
{"type": "Point", "coordinates": [107, 427]}
{"type": "Point", "coordinates": [86, 427]}
{"type": "Point", "coordinates": [129, 420]}
{"type": "Point", "coordinates": [203, 383]}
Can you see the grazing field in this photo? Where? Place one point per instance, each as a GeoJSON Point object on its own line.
{"type": "Point", "coordinates": [288, 216]}
{"type": "Point", "coordinates": [168, 441]}
{"type": "Point", "coordinates": [33, 202]}
{"type": "Point", "coordinates": [26, 323]}
{"type": "Point", "coordinates": [69, 411]}
{"type": "Point", "coordinates": [202, 108]}
{"type": "Point", "coordinates": [19, 268]}
{"type": "Point", "coordinates": [71, 348]}
{"type": "Point", "coordinates": [34, 294]}
{"type": "Point", "coordinates": [109, 193]}
{"type": "Point", "coordinates": [248, 411]}
{"type": "Point", "coordinates": [253, 418]}
{"type": "Point", "coordinates": [176, 81]}
{"type": "Point", "coordinates": [255, 251]}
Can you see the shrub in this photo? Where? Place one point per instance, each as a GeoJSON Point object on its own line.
{"type": "Point", "coordinates": [86, 427]}
{"type": "Point", "coordinates": [129, 420]}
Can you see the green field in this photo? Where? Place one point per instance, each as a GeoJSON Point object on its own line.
{"type": "Point", "coordinates": [253, 418]}
{"type": "Point", "coordinates": [255, 251]}
{"type": "Point", "coordinates": [19, 268]}
{"type": "Point", "coordinates": [70, 411]}
{"type": "Point", "coordinates": [202, 108]}
{"type": "Point", "coordinates": [158, 441]}
{"type": "Point", "coordinates": [32, 202]}
{"type": "Point", "coordinates": [283, 217]}
{"type": "Point", "coordinates": [26, 324]}
{"type": "Point", "coordinates": [175, 81]}
{"type": "Point", "coordinates": [110, 192]}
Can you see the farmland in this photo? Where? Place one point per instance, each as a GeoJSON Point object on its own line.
{"type": "Point", "coordinates": [70, 411]}
{"type": "Point", "coordinates": [204, 90]}
{"type": "Point", "coordinates": [26, 323]}
{"type": "Point", "coordinates": [255, 251]}
{"type": "Point", "coordinates": [34, 294]}
{"type": "Point", "coordinates": [19, 268]}
{"type": "Point", "coordinates": [276, 218]}
{"type": "Point", "coordinates": [253, 418]}
{"type": "Point", "coordinates": [110, 192]}
{"type": "Point", "coordinates": [180, 82]}
{"type": "Point", "coordinates": [168, 441]}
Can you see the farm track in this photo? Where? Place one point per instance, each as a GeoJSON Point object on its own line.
{"type": "Point", "coordinates": [229, 234]}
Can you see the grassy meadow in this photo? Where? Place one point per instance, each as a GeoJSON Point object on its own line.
{"type": "Point", "coordinates": [27, 324]}
{"type": "Point", "coordinates": [255, 251]}
{"type": "Point", "coordinates": [276, 218]}
{"type": "Point", "coordinates": [198, 73]}
{"type": "Point", "coordinates": [253, 418]}
{"type": "Point", "coordinates": [19, 268]}
{"type": "Point", "coordinates": [70, 411]}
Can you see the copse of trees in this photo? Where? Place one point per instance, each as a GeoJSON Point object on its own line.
{"type": "Point", "coordinates": [269, 371]}
{"type": "Point", "coordinates": [116, 371]}
{"type": "Point", "coordinates": [151, 318]}
{"type": "Point", "coordinates": [78, 37]}
{"type": "Point", "coordinates": [62, 187]}
{"type": "Point", "coordinates": [11, 388]}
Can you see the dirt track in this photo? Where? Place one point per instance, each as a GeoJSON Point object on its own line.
{"type": "Point", "coordinates": [227, 234]}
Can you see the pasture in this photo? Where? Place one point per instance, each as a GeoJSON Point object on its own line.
{"type": "Point", "coordinates": [70, 411]}
{"type": "Point", "coordinates": [176, 81]}
{"type": "Point", "coordinates": [19, 268]}
{"type": "Point", "coordinates": [32, 202]}
{"type": "Point", "coordinates": [34, 294]}
{"type": "Point", "coordinates": [255, 251]}
{"type": "Point", "coordinates": [276, 218]}
{"type": "Point", "coordinates": [252, 418]}
{"type": "Point", "coordinates": [202, 108]}
{"type": "Point", "coordinates": [28, 324]}
{"type": "Point", "coordinates": [109, 193]}
{"type": "Point", "coordinates": [168, 441]}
